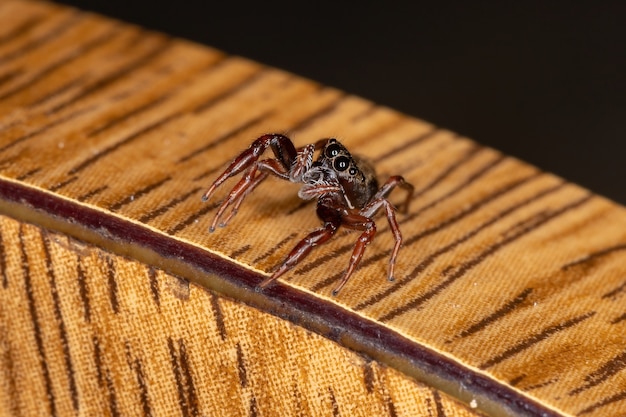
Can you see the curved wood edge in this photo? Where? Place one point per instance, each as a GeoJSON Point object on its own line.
{"type": "Point", "coordinates": [209, 271]}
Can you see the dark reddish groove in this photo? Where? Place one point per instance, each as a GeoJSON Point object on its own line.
{"type": "Point", "coordinates": [595, 255]}
{"type": "Point", "coordinates": [57, 91]}
{"type": "Point", "coordinates": [619, 319]}
{"type": "Point", "coordinates": [275, 248]}
{"type": "Point", "coordinates": [63, 61]}
{"type": "Point", "coordinates": [241, 367]}
{"type": "Point", "coordinates": [192, 218]}
{"type": "Point", "coordinates": [218, 315]}
{"type": "Point", "coordinates": [89, 194]}
{"type": "Point", "coordinates": [303, 309]}
{"type": "Point", "coordinates": [506, 309]}
{"type": "Point", "coordinates": [44, 128]}
{"type": "Point", "coordinates": [406, 145]}
{"type": "Point", "coordinates": [238, 252]}
{"type": "Point", "coordinates": [112, 284]}
{"type": "Point", "coordinates": [21, 29]}
{"type": "Point", "coordinates": [602, 374]}
{"type": "Point", "coordinates": [465, 267]}
{"type": "Point", "coordinates": [116, 75]}
{"type": "Point", "coordinates": [438, 404]}
{"type": "Point", "coordinates": [226, 136]}
{"type": "Point", "coordinates": [620, 396]}
{"type": "Point", "coordinates": [240, 86]}
{"type": "Point", "coordinates": [61, 28]}
{"type": "Point", "coordinates": [154, 286]}
{"type": "Point", "coordinates": [534, 339]}
{"type": "Point", "coordinates": [114, 147]}
{"type": "Point", "coordinates": [59, 185]}
{"type": "Point", "coordinates": [83, 290]}
{"type": "Point", "coordinates": [143, 388]}
{"type": "Point", "coordinates": [28, 174]}
{"type": "Point", "coordinates": [136, 195]}
{"type": "Point", "coordinates": [58, 315]}
{"type": "Point", "coordinates": [34, 318]}
{"type": "Point", "coordinates": [323, 259]}
{"type": "Point", "coordinates": [168, 206]}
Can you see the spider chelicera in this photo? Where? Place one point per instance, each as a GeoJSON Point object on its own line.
{"type": "Point", "coordinates": [345, 187]}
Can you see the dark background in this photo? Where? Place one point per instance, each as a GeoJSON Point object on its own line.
{"type": "Point", "coordinates": [543, 81]}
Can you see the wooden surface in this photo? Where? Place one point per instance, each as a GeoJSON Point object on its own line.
{"type": "Point", "coordinates": [510, 286]}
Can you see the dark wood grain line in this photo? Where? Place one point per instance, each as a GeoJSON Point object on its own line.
{"type": "Point", "coordinates": [59, 185]}
{"type": "Point", "coordinates": [89, 194]}
{"type": "Point", "coordinates": [28, 174]}
{"type": "Point", "coordinates": [465, 267]}
{"type": "Point", "coordinates": [117, 145]}
{"type": "Point", "coordinates": [184, 382]}
{"type": "Point", "coordinates": [226, 136]}
{"type": "Point", "coordinates": [42, 129]}
{"type": "Point", "coordinates": [535, 339]}
{"type": "Point", "coordinates": [333, 402]}
{"type": "Point", "coordinates": [144, 396]}
{"type": "Point", "coordinates": [189, 220]}
{"type": "Point", "coordinates": [8, 76]}
{"type": "Point", "coordinates": [168, 206]}
{"type": "Point", "coordinates": [61, 89]}
{"type": "Point", "coordinates": [406, 145]}
{"type": "Point", "coordinates": [369, 378]}
{"type": "Point", "coordinates": [503, 311]}
{"type": "Point", "coordinates": [112, 284]}
{"type": "Point", "coordinates": [39, 41]}
{"type": "Point", "coordinates": [101, 83]}
{"type": "Point", "coordinates": [111, 123]}
{"type": "Point", "coordinates": [240, 251]}
{"type": "Point", "coordinates": [620, 396]}
{"type": "Point", "coordinates": [218, 315]}
{"type": "Point", "coordinates": [441, 412]}
{"type": "Point", "coordinates": [58, 315]}
{"type": "Point", "coordinates": [242, 372]}
{"type": "Point", "coordinates": [154, 285]}
{"type": "Point", "coordinates": [317, 115]}
{"type": "Point", "coordinates": [253, 408]}
{"type": "Point", "coordinates": [21, 29]}
{"type": "Point", "coordinates": [3, 263]}
{"type": "Point", "coordinates": [98, 359]}
{"type": "Point", "coordinates": [63, 61]}
{"type": "Point", "coordinates": [323, 259]}
{"type": "Point", "coordinates": [207, 173]}
{"type": "Point", "coordinates": [83, 289]}
{"type": "Point", "coordinates": [619, 319]}
{"type": "Point", "coordinates": [602, 374]}
{"type": "Point", "coordinates": [112, 394]}
{"type": "Point", "coordinates": [275, 248]}
{"type": "Point", "coordinates": [595, 255]}
{"type": "Point", "coordinates": [240, 86]}
{"type": "Point", "coordinates": [34, 318]}
{"type": "Point", "coordinates": [142, 192]}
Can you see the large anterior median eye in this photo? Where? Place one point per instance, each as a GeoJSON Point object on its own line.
{"type": "Point", "coordinates": [333, 150]}
{"type": "Point", "coordinates": [342, 163]}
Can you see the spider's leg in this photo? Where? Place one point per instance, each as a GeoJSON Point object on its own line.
{"type": "Point", "coordinates": [283, 149]}
{"type": "Point", "coordinates": [390, 211]}
{"type": "Point", "coordinates": [301, 250]}
{"type": "Point", "coordinates": [385, 190]}
{"type": "Point", "coordinates": [367, 225]}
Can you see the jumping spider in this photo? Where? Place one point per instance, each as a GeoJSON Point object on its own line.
{"type": "Point", "coordinates": [345, 187]}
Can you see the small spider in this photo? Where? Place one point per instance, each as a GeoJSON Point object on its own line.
{"type": "Point", "coordinates": [345, 187]}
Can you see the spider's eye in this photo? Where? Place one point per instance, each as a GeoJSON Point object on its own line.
{"type": "Point", "coordinates": [342, 163]}
{"type": "Point", "coordinates": [353, 171]}
{"type": "Point", "coordinates": [333, 150]}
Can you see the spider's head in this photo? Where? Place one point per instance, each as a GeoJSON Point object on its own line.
{"type": "Point", "coordinates": [356, 175]}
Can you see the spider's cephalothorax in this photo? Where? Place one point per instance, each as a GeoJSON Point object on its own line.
{"type": "Point", "coordinates": [345, 187]}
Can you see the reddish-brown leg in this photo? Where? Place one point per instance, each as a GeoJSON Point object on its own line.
{"type": "Point", "coordinates": [357, 222]}
{"type": "Point", "coordinates": [301, 250]}
{"type": "Point", "coordinates": [385, 190]}
{"type": "Point", "coordinates": [283, 149]}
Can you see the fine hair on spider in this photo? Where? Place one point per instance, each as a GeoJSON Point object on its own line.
{"type": "Point", "coordinates": [344, 185]}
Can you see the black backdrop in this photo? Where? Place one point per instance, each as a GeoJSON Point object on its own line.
{"type": "Point", "coordinates": [541, 80]}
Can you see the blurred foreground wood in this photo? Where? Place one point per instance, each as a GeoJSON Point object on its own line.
{"type": "Point", "coordinates": [115, 300]}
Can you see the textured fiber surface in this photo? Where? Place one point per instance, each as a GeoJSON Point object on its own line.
{"type": "Point", "coordinates": [510, 285]}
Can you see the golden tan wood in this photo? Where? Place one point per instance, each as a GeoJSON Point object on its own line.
{"type": "Point", "coordinates": [110, 134]}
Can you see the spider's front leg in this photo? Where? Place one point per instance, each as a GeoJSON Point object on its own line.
{"type": "Point", "coordinates": [255, 171]}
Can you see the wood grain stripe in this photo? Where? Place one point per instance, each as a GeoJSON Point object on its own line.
{"type": "Point", "coordinates": [22, 29]}
{"type": "Point", "coordinates": [112, 283]}
{"type": "Point", "coordinates": [465, 267]}
{"type": "Point", "coordinates": [83, 289]}
{"type": "Point", "coordinates": [151, 215]}
{"type": "Point", "coordinates": [142, 192]}
{"type": "Point", "coordinates": [188, 399]}
{"type": "Point", "coordinates": [34, 318]}
{"type": "Point", "coordinates": [3, 263]}
{"type": "Point", "coordinates": [602, 374]}
{"type": "Point", "coordinates": [534, 339]}
{"type": "Point", "coordinates": [58, 315]}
